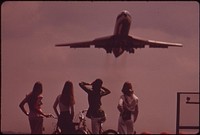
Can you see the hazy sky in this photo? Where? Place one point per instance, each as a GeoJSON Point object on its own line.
{"type": "Point", "coordinates": [29, 31]}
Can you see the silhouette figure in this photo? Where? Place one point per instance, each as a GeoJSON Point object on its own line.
{"type": "Point", "coordinates": [66, 102]}
{"type": "Point", "coordinates": [128, 108]}
{"type": "Point", "coordinates": [95, 112]}
{"type": "Point", "coordinates": [35, 114]}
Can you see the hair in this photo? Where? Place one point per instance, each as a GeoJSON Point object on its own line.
{"type": "Point", "coordinates": [37, 90]}
{"type": "Point", "coordinates": [67, 96]}
{"type": "Point", "coordinates": [127, 88]}
{"type": "Point", "coordinates": [97, 85]}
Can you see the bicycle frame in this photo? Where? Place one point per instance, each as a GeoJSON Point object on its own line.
{"type": "Point", "coordinates": [81, 126]}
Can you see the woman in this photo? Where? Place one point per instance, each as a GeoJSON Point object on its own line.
{"type": "Point", "coordinates": [35, 114]}
{"type": "Point", "coordinates": [128, 108]}
{"type": "Point", "coordinates": [95, 113]}
{"type": "Point", "coordinates": [66, 105]}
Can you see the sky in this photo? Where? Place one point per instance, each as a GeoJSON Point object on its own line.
{"type": "Point", "coordinates": [30, 30]}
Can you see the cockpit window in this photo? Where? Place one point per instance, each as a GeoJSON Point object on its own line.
{"type": "Point", "coordinates": [124, 13]}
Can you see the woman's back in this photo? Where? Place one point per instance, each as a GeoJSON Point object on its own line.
{"type": "Point", "coordinates": [62, 107]}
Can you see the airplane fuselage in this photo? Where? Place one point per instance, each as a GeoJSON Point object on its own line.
{"type": "Point", "coordinates": [123, 23]}
{"type": "Point", "coordinates": [122, 27]}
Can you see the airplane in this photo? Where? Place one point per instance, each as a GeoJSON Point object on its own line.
{"type": "Point", "coordinates": [120, 41]}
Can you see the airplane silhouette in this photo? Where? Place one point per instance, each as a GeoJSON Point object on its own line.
{"type": "Point", "coordinates": [120, 41]}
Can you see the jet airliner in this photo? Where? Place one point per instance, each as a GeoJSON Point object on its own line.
{"type": "Point", "coordinates": [120, 41]}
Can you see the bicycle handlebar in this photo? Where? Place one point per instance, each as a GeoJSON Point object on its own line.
{"type": "Point", "coordinates": [54, 117]}
{"type": "Point", "coordinates": [81, 112]}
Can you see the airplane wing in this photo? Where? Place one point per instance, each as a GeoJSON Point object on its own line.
{"type": "Point", "coordinates": [109, 42]}
{"type": "Point", "coordinates": [140, 43]}
{"type": "Point", "coordinates": [86, 44]}
{"type": "Point", "coordinates": [102, 42]}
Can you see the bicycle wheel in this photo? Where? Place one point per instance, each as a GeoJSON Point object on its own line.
{"type": "Point", "coordinates": [110, 131]}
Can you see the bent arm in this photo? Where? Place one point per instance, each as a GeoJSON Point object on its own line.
{"type": "Point", "coordinates": [105, 91]}
{"type": "Point", "coordinates": [38, 107]}
{"type": "Point", "coordinates": [21, 105]}
{"type": "Point", "coordinates": [43, 114]}
{"type": "Point", "coordinates": [84, 87]}
{"type": "Point", "coordinates": [55, 106]}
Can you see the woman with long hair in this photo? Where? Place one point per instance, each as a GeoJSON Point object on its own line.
{"type": "Point", "coordinates": [35, 114]}
{"type": "Point", "coordinates": [128, 108]}
{"type": "Point", "coordinates": [66, 102]}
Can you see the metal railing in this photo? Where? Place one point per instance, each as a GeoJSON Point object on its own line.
{"type": "Point", "coordinates": [188, 101]}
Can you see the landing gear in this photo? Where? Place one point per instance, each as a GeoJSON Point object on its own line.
{"type": "Point", "coordinates": [131, 50]}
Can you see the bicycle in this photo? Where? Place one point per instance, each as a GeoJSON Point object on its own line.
{"type": "Point", "coordinates": [82, 127]}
